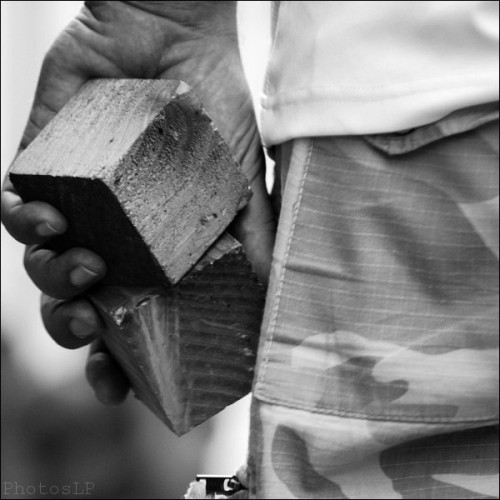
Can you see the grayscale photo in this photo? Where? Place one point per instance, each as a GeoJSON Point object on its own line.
{"type": "Point", "coordinates": [250, 249]}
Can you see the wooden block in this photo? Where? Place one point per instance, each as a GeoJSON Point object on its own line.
{"type": "Point", "coordinates": [146, 182]}
{"type": "Point", "coordinates": [189, 350]}
{"type": "Point", "coordinates": [141, 174]}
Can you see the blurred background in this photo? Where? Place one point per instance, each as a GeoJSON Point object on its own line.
{"type": "Point", "coordinates": [57, 440]}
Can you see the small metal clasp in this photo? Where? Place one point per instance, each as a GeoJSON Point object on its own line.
{"type": "Point", "coordinates": [226, 485]}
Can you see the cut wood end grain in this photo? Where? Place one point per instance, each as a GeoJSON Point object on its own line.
{"type": "Point", "coordinates": [189, 350]}
{"type": "Point", "coordinates": [141, 174]}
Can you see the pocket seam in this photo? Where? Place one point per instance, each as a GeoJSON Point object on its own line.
{"type": "Point", "coordinates": [277, 300]}
{"type": "Point", "coordinates": [259, 395]}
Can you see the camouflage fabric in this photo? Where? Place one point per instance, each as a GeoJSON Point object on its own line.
{"type": "Point", "coordinates": [377, 373]}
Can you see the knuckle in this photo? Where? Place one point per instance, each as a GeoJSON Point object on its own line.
{"type": "Point", "coordinates": [28, 261]}
{"type": "Point", "coordinates": [68, 341]}
{"type": "Point", "coordinates": [98, 361]}
{"type": "Point", "coordinates": [56, 315]}
{"type": "Point", "coordinates": [48, 274]}
{"type": "Point", "coordinates": [47, 305]}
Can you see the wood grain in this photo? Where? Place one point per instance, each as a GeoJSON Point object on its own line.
{"type": "Point", "coordinates": [189, 350]}
{"type": "Point", "coordinates": [141, 174]}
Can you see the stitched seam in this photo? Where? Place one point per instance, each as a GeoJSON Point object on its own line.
{"type": "Point", "coordinates": [374, 416]}
{"type": "Point", "coordinates": [275, 311]}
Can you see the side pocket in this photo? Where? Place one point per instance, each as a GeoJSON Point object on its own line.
{"type": "Point", "coordinates": [387, 304]}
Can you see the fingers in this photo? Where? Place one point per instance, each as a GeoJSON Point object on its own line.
{"type": "Point", "coordinates": [105, 375]}
{"type": "Point", "coordinates": [72, 324]}
{"type": "Point", "coordinates": [62, 75]}
{"type": "Point", "coordinates": [65, 275]}
{"type": "Point", "coordinates": [255, 228]}
{"type": "Point", "coordinates": [30, 223]}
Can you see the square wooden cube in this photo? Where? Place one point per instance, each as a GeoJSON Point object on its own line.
{"type": "Point", "coordinates": [140, 172]}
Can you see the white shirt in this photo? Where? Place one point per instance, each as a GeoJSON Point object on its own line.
{"type": "Point", "coordinates": [364, 67]}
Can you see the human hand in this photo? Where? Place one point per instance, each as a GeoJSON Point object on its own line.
{"type": "Point", "coordinates": [196, 43]}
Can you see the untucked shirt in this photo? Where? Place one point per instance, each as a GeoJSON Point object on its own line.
{"type": "Point", "coordinates": [349, 68]}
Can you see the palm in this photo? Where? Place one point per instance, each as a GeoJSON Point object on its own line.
{"type": "Point", "coordinates": [116, 42]}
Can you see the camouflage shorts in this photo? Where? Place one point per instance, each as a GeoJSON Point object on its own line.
{"type": "Point", "coordinates": [377, 374]}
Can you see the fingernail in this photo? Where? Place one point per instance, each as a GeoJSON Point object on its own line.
{"type": "Point", "coordinates": [81, 329]}
{"type": "Point", "coordinates": [46, 229]}
{"type": "Point", "coordinates": [81, 276]}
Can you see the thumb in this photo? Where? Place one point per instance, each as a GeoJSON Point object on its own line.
{"type": "Point", "coordinates": [60, 79]}
{"type": "Point", "coordinates": [255, 228]}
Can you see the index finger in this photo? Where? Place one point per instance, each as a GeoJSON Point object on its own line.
{"type": "Point", "coordinates": [29, 223]}
{"type": "Point", "coordinates": [64, 71]}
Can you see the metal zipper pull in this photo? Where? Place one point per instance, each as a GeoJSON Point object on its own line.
{"type": "Point", "coordinates": [222, 485]}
